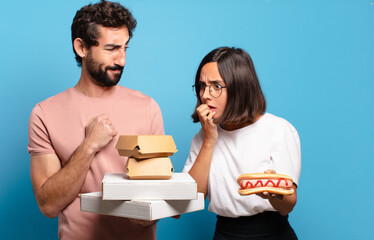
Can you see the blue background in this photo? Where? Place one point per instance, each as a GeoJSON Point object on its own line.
{"type": "Point", "coordinates": [315, 62]}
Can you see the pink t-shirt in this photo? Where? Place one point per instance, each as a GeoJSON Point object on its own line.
{"type": "Point", "coordinates": [57, 125]}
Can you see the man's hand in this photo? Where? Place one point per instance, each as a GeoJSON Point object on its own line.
{"type": "Point", "coordinates": [99, 132]}
{"type": "Point", "coordinates": [56, 187]}
{"type": "Point", "coordinates": [144, 223]}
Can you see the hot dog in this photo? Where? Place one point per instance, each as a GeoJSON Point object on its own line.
{"type": "Point", "coordinates": [251, 183]}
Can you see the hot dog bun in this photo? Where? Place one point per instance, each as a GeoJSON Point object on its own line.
{"type": "Point", "coordinates": [280, 191]}
{"type": "Point", "coordinates": [252, 183]}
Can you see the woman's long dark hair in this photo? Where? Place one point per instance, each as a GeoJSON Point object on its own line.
{"type": "Point", "coordinates": [245, 99]}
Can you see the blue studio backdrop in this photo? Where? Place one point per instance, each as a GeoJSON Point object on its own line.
{"type": "Point", "coordinates": [315, 61]}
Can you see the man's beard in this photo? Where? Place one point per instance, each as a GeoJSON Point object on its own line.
{"type": "Point", "coordinates": [100, 76]}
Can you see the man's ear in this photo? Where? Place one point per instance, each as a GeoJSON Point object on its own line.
{"type": "Point", "coordinates": [79, 47]}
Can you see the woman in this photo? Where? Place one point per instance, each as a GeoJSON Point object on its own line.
{"type": "Point", "coordinates": [238, 137]}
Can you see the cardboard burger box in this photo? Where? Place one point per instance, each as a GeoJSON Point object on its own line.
{"type": "Point", "coordinates": [146, 146]}
{"type": "Point", "coordinates": [148, 155]}
{"type": "Point", "coordinates": [151, 168]}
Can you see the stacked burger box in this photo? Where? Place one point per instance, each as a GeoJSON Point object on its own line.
{"type": "Point", "coordinates": [148, 155]}
{"type": "Point", "coordinates": [148, 189]}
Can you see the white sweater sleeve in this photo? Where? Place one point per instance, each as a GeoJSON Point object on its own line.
{"type": "Point", "coordinates": [196, 144]}
{"type": "Point", "coordinates": [286, 153]}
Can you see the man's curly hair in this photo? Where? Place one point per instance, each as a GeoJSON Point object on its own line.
{"type": "Point", "coordinates": [105, 13]}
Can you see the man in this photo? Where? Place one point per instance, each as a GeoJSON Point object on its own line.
{"type": "Point", "coordinates": [72, 135]}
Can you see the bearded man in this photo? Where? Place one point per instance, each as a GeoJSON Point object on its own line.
{"type": "Point", "coordinates": [72, 135]}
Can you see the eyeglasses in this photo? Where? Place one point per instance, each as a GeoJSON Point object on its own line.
{"type": "Point", "coordinates": [215, 89]}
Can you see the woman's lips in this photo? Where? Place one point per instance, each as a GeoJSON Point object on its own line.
{"type": "Point", "coordinates": [212, 108]}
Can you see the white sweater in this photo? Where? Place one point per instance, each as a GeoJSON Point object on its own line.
{"type": "Point", "coordinates": [270, 143]}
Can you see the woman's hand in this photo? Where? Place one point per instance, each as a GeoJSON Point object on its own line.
{"type": "Point", "coordinates": [206, 120]}
{"type": "Point", "coordinates": [267, 195]}
{"type": "Point", "coordinates": [283, 204]}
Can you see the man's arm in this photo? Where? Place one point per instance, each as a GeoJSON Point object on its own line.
{"type": "Point", "coordinates": [54, 186]}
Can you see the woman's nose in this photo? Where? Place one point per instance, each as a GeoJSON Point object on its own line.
{"type": "Point", "coordinates": [206, 93]}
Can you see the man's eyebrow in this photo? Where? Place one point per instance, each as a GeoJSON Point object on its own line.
{"type": "Point", "coordinates": [112, 45]}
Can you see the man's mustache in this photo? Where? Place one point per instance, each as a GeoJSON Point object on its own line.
{"type": "Point", "coordinates": [116, 67]}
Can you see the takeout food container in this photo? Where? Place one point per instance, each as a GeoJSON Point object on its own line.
{"type": "Point", "coordinates": [150, 168]}
{"type": "Point", "coordinates": [146, 146]}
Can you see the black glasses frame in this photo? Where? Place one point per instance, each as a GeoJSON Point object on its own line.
{"type": "Point", "coordinates": [195, 86]}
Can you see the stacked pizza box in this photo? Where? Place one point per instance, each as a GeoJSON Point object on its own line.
{"type": "Point", "coordinates": [148, 189]}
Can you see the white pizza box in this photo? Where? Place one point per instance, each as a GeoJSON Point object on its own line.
{"type": "Point", "coordinates": [118, 186]}
{"type": "Point", "coordinates": [139, 209]}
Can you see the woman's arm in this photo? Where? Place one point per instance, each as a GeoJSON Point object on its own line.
{"type": "Point", "coordinates": [200, 169]}
{"type": "Point", "coordinates": [284, 204]}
